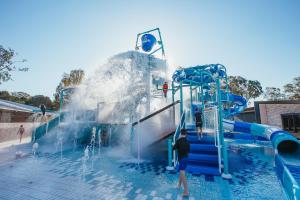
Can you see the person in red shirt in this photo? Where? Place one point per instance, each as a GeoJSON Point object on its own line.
{"type": "Point", "coordinates": [165, 89]}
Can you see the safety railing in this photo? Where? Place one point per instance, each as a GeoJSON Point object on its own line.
{"type": "Point", "coordinates": [211, 126]}
{"type": "Point", "coordinates": [164, 126]}
{"type": "Point", "coordinates": [218, 140]}
{"type": "Point", "coordinates": [155, 113]}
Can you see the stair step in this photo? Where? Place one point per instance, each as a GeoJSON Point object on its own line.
{"type": "Point", "coordinates": [203, 140]}
{"type": "Point", "coordinates": [197, 170]}
{"type": "Point", "coordinates": [203, 158]}
{"type": "Point", "coordinates": [203, 163]}
{"type": "Point", "coordinates": [203, 148]}
{"type": "Point", "coordinates": [194, 133]}
{"type": "Point", "coordinates": [190, 127]}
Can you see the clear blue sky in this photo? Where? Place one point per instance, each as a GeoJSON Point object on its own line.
{"type": "Point", "coordinates": [257, 39]}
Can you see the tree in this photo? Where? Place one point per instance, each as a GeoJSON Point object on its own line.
{"type": "Point", "coordinates": [237, 85]}
{"type": "Point", "coordinates": [5, 95]}
{"type": "Point", "coordinates": [38, 100]}
{"type": "Point", "coordinates": [273, 93]}
{"type": "Point", "coordinates": [292, 90]}
{"type": "Point", "coordinates": [7, 64]}
{"type": "Point", "coordinates": [68, 80]}
{"type": "Point", "coordinates": [243, 87]}
{"type": "Point", "coordinates": [254, 89]}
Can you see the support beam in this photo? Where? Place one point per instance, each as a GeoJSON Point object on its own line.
{"type": "Point", "coordinates": [224, 155]}
{"type": "Point", "coordinates": [181, 99]}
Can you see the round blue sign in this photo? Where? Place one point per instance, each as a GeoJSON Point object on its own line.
{"type": "Point", "coordinates": [148, 41]}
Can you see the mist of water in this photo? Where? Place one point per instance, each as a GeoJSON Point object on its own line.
{"type": "Point", "coordinates": [120, 92]}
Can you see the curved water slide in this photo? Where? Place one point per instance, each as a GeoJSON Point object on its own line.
{"type": "Point", "coordinates": [287, 152]}
{"type": "Point", "coordinates": [287, 147]}
{"type": "Point", "coordinates": [239, 104]}
{"type": "Point", "coordinates": [282, 141]}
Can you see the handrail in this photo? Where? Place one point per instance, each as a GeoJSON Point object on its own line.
{"type": "Point", "coordinates": [155, 113]}
{"type": "Point", "coordinates": [217, 140]}
{"type": "Point", "coordinates": [176, 134]}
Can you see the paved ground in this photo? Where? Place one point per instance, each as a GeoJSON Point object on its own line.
{"type": "Point", "coordinates": [50, 176]}
{"type": "Point", "coordinates": [8, 149]}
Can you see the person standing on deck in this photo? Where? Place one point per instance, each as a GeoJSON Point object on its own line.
{"type": "Point", "coordinates": [198, 121]}
{"type": "Point", "coordinates": [183, 148]}
{"type": "Point", "coordinates": [43, 109]}
{"type": "Point", "coordinates": [21, 132]}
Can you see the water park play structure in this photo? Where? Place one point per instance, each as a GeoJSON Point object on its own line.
{"type": "Point", "coordinates": [204, 87]}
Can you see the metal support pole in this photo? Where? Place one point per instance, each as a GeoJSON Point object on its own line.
{"type": "Point", "coordinates": [202, 99]}
{"type": "Point", "coordinates": [162, 45]}
{"type": "Point", "coordinates": [170, 166]}
{"type": "Point", "coordinates": [173, 100]}
{"type": "Point", "coordinates": [225, 173]}
{"type": "Point", "coordinates": [131, 139]}
{"type": "Point", "coordinates": [191, 102]}
{"type": "Point", "coordinates": [181, 98]}
{"type": "Point", "coordinates": [148, 89]}
{"type": "Point", "coordinates": [173, 92]}
{"type": "Point", "coordinates": [60, 104]}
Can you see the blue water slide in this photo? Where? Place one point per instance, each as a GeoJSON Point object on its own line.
{"type": "Point", "coordinates": [188, 74]}
{"type": "Point", "coordinates": [281, 140]}
{"type": "Point", "coordinates": [287, 147]}
{"type": "Point", "coordinates": [239, 104]}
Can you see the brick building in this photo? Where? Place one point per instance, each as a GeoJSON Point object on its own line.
{"type": "Point", "coordinates": [284, 114]}
{"type": "Point", "coordinates": [12, 112]}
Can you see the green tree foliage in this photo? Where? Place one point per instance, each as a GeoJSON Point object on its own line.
{"type": "Point", "coordinates": [24, 98]}
{"type": "Point", "coordinates": [5, 95]}
{"type": "Point", "coordinates": [68, 80]}
{"type": "Point", "coordinates": [38, 100]}
{"type": "Point", "coordinates": [273, 94]}
{"type": "Point", "coordinates": [254, 89]}
{"type": "Point", "coordinates": [7, 64]}
{"type": "Point", "coordinates": [238, 85]}
{"type": "Point", "coordinates": [243, 87]}
{"type": "Point", "coordinates": [292, 90]}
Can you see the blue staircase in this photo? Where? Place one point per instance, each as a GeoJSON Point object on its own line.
{"type": "Point", "coordinates": [203, 156]}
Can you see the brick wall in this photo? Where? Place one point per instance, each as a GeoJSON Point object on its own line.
{"type": "Point", "coordinates": [14, 116]}
{"type": "Point", "coordinates": [271, 113]}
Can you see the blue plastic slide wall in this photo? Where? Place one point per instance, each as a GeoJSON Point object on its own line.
{"type": "Point", "coordinates": [282, 141]}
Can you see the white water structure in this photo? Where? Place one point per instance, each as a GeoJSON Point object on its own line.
{"type": "Point", "coordinates": [123, 90]}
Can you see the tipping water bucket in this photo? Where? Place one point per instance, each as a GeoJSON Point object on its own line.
{"type": "Point", "coordinates": [148, 41]}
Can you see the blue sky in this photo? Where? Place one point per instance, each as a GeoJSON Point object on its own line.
{"type": "Point", "coordinates": [257, 39]}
